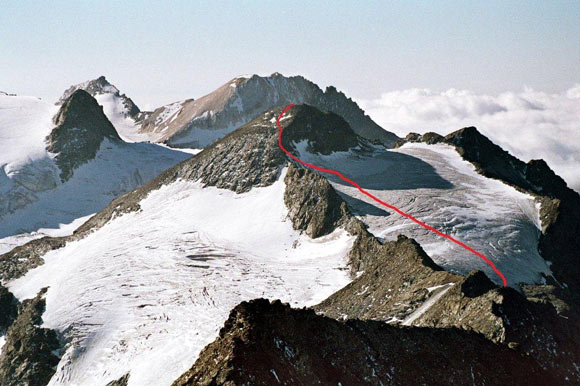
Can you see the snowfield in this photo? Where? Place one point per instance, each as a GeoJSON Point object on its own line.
{"type": "Point", "coordinates": [145, 293]}
{"type": "Point", "coordinates": [435, 185]}
{"type": "Point", "coordinates": [24, 124]}
{"type": "Point", "coordinates": [117, 168]}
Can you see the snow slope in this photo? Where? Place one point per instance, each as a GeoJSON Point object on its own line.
{"type": "Point", "coordinates": [117, 168]}
{"type": "Point", "coordinates": [32, 195]}
{"type": "Point", "coordinates": [26, 167]}
{"type": "Point", "coordinates": [117, 112]}
{"type": "Point", "coordinates": [145, 293]}
{"type": "Point", "coordinates": [436, 186]}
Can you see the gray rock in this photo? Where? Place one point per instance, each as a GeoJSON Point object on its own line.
{"type": "Point", "coordinates": [28, 356]}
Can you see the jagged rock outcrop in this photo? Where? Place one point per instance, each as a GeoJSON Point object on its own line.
{"type": "Point", "coordinates": [396, 281]}
{"type": "Point", "coordinates": [402, 285]}
{"type": "Point", "coordinates": [8, 309]}
{"type": "Point", "coordinates": [123, 381]}
{"type": "Point", "coordinates": [28, 356]}
{"type": "Point", "coordinates": [265, 343]}
{"type": "Point", "coordinates": [313, 204]}
{"type": "Point", "coordinates": [505, 316]}
{"type": "Point", "coordinates": [200, 122]}
{"type": "Point", "coordinates": [81, 126]}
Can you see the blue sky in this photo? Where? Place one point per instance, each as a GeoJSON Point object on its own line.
{"type": "Point", "coordinates": [158, 52]}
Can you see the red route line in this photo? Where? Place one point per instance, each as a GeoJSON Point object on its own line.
{"type": "Point", "coordinates": [399, 211]}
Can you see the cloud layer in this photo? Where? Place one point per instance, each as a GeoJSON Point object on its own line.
{"type": "Point", "coordinates": [529, 124]}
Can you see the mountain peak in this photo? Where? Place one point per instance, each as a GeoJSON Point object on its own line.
{"type": "Point", "coordinates": [81, 126]}
{"type": "Point", "coordinates": [107, 96]}
{"type": "Point", "coordinates": [203, 121]}
{"type": "Point", "coordinates": [324, 132]}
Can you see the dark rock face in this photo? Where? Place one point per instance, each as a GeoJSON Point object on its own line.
{"type": "Point", "coordinates": [123, 381]}
{"type": "Point", "coordinates": [324, 132]}
{"type": "Point", "coordinates": [313, 204]}
{"type": "Point", "coordinates": [8, 309]}
{"type": "Point", "coordinates": [80, 128]}
{"type": "Point", "coordinates": [28, 355]}
{"type": "Point", "coordinates": [476, 284]}
{"type": "Point", "coordinates": [265, 343]}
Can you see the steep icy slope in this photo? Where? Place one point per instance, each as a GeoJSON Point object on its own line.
{"type": "Point", "coordinates": [53, 172]}
{"type": "Point", "coordinates": [119, 108]}
{"type": "Point", "coordinates": [198, 123]}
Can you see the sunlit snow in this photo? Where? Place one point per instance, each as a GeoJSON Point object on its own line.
{"type": "Point", "coordinates": [145, 293]}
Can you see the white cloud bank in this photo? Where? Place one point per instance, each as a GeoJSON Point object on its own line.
{"type": "Point", "coordinates": [529, 124]}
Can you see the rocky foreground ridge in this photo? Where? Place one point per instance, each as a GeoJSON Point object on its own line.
{"type": "Point", "coordinates": [265, 343]}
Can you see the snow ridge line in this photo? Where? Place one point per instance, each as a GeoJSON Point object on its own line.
{"type": "Point", "coordinates": [374, 198]}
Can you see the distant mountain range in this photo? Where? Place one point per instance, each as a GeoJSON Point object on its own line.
{"type": "Point", "coordinates": [197, 123]}
{"type": "Point", "coordinates": [173, 280]}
